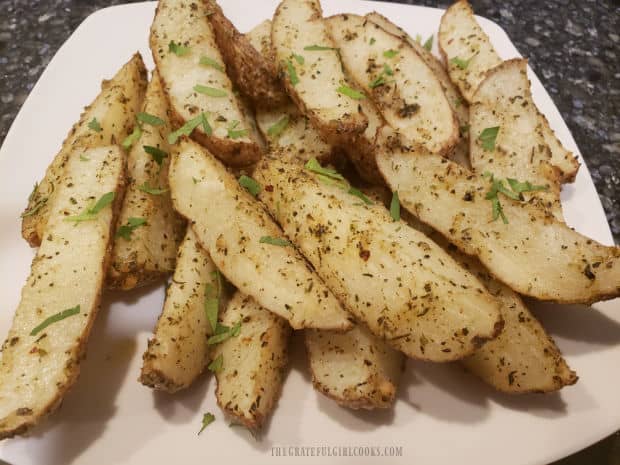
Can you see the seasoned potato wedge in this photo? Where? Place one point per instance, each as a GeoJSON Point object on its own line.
{"type": "Point", "coordinates": [42, 352]}
{"type": "Point", "coordinates": [535, 254]}
{"type": "Point", "coordinates": [356, 369]}
{"type": "Point", "coordinates": [250, 72]}
{"type": "Point", "coordinates": [504, 101]}
{"type": "Point", "coordinates": [106, 121]}
{"type": "Point", "coordinates": [246, 245]}
{"type": "Point", "coordinates": [469, 54]}
{"type": "Point", "coordinates": [144, 252]}
{"type": "Point", "coordinates": [194, 77]}
{"type": "Point", "coordinates": [405, 89]}
{"type": "Point", "coordinates": [460, 152]}
{"type": "Point", "coordinates": [392, 278]}
{"type": "Point", "coordinates": [249, 381]}
{"type": "Point", "coordinates": [314, 78]}
{"type": "Point", "coordinates": [178, 352]}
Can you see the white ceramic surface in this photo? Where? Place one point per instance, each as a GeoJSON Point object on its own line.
{"type": "Point", "coordinates": [443, 415]}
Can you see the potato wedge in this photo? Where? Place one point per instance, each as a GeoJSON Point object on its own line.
{"type": "Point", "coordinates": [47, 340]}
{"type": "Point", "coordinates": [247, 68]}
{"type": "Point", "coordinates": [246, 244]}
{"type": "Point", "coordinates": [314, 78]}
{"type": "Point", "coordinates": [460, 108]}
{"type": "Point", "coordinates": [469, 54]}
{"type": "Point", "coordinates": [178, 352]}
{"type": "Point", "coordinates": [249, 381]}
{"type": "Point", "coordinates": [194, 78]}
{"type": "Point", "coordinates": [148, 251]}
{"type": "Point", "coordinates": [106, 121]}
{"type": "Point", "coordinates": [535, 254]}
{"type": "Point", "coordinates": [356, 369]}
{"type": "Point", "coordinates": [405, 89]}
{"type": "Point", "coordinates": [518, 151]}
{"type": "Point", "coordinates": [392, 278]}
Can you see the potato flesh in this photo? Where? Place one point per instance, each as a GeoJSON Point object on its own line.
{"type": "Point", "coordinates": [250, 381]}
{"type": "Point", "coordinates": [114, 109]}
{"type": "Point", "coordinates": [390, 277]}
{"type": "Point", "coordinates": [356, 369]}
{"type": "Point", "coordinates": [535, 254]}
{"type": "Point", "coordinates": [411, 99]}
{"type": "Point", "coordinates": [151, 250]}
{"type": "Point", "coordinates": [68, 270]}
{"type": "Point", "coordinates": [298, 24]}
{"type": "Point", "coordinates": [185, 23]}
{"type": "Point", "coordinates": [504, 100]}
{"type": "Point", "coordinates": [178, 352]}
{"type": "Point", "coordinates": [229, 224]}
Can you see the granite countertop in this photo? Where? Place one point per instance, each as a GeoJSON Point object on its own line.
{"type": "Point", "coordinates": [573, 47]}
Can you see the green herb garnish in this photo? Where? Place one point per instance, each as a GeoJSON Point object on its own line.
{"type": "Point", "coordinates": [151, 190]}
{"type": "Point", "coordinates": [150, 119]}
{"type": "Point", "coordinates": [274, 241]}
{"type": "Point", "coordinates": [525, 186]}
{"type": "Point", "coordinates": [292, 73]}
{"type": "Point", "coordinates": [210, 91]}
{"type": "Point", "coordinates": [54, 319]}
{"type": "Point", "coordinates": [92, 211]}
{"type": "Point", "coordinates": [379, 81]}
{"type": "Point", "coordinates": [213, 292]}
{"type": "Point", "coordinates": [132, 138]}
{"type": "Point", "coordinates": [126, 230]}
{"type": "Point", "coordinates": [387, 70]}
{"type": "Point", "coordinates": [236, 133]}
{"type": "Point", "coordinates": [178, 49]}
{"type": "Point", "coordinates": [223, 333]}
{"type": "Point", "coordinates": [515, 193]}
{"type": "Point", "coordinates": [216, 365]}
{"type": "Point", "coordinates": [372, 41]}
{"type": "Point", "coordinates": [206, 61]}
{"type": "Point", "coordinates": [94, 125]}
{"type": "Point", "coordinates": [487, 137]}
{"type": "Point", "coordinates": [299, 59]}
{"type": "Point", "coordinates": [84, 158]}
{"type": "Point", "coordinates": [318, 48]}
{"type": "Point", "coordinates": [395, 207]}
{"type": "Point", "coordinates": [358, 193]}
{"type": "Point", "coordinates": [155, 152]}
{"type": "Point", "coordinates": [428, 45]}
{"type": "Point", "coordinates": [207, 419]}
{"type": "Point", "coordinates": [390, 53]}
{"type": "Point", "coordinates": [463, 64]}
{"type": "Point", "coordinates": [278, 127]}
{"type": "Point", "coordinates": [314, 166]}
{"type": "Point", "coordinates": [354, 94]}
{"type": "Point", "coordinates": [188, 127]}
{"type": "Point", "coordinates": [35, 208]}
{"type": "Point", "coordinates": [252, 186]}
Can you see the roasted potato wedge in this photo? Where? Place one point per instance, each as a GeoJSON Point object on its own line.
{"type": "Point", "coordinates": [106, 121]}
{"type": "Point", "coordinates": [252, 74]}
{"type": "Point", "coordinates": [148, 230]}
{"type": "Point", "coordinates": [460, 152]}
{"type": "Point", "coordinates": [392, 278]}
{"type": "Point", "coordinates": [405, 89]}
{"type": "Point", "coordinates": [314, 78]}
{"type": "Point", "coordinates": [178, 352]}
{"type": "Point", "coordinates": [249, 380]}
{"type": "Point", "coordinates": [245, 243]}
{"type": "Point", "coordinates": [535, 254]}
{"type": "Point", "coordinates": [356, 369]}
{"type": "Point", "coordinates": [469, 55]}
{"type": "Point", "coordinates": [42, 353]}
{"type": "Point", "coordinates": [194, 78]}
{"type": "Point", "coordinates": [503, 102]}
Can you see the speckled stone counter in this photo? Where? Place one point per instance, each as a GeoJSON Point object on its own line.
{"type": "Point", "coordinates": [573, 46]}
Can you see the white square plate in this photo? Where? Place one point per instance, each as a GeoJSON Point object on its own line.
{"type": "Point", "coordinates": [443, 415]}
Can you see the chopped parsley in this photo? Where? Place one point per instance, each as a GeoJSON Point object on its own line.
{"type": "Point", "coordinates": [525, 186]}
{"type": "Point", "coordinates": [234, 133]}
{"type": "Point", "coordinates": [292, 73]}
{"type": "Point", "coordinates": [94, 125]}
{"type": "Point", "coordinates": [314, 166]}
{"type": "Point", "coordinates": [126, 230]}
{"type": "Point", "coordinates": [206, 61]}
{"type": "Point", "coordinates": [84, 158]}
{"type": "Point", "coordinates": [299, 59]}
{"type": "Point", "coordinates": [132, 138]}
{"type": "Point", "coordinates": [372, 41]}
{"type": "Point", "coordinates": [207, 419]}
{"type": "Point", "coordinates": [354, 94]}
{"type": "Point", "coordinates": [275, 241]}
{"type": "Point", "coordinates": [395, 207]}
{"type": "Point", "coordinates": [428, 45]}
{"type": "Point", "coordinates": [278, 127]}
{"type": "Point", "coordinates": [378, 81]}
{"type": "Point", "coordinates": [151, 190]}
{"type": "Point", "coordinates": [150, 119]}
{"type": "Point", "coordinates": [487, 137]}
{"type": "Point", "coordinates": [54, 319]}
{"type": "Point", "coordinates": [223, 333]}
{"type": "Point", "coordinates": [390, 53]}
{"type": "Point", "coordinates": [210, 91]}
{"type": "Point", "coordinates": [216, 365]}
{"type": "Point", "coordinates": [35, 208]}
{"type": "Point", "coordinates": [252, 186]}
{"type": "Point", "coordinates": [178, 49]}
{"type": "Point", "coordinates": [333, 177]}
{"type": "Point", "coordinates": [155, 152]}
{"type": "Point", "coordinates": [463, 64]}
{"type": "Point", "coordinates": [387, 70]}
{"type": "Point", "coordinates": [318, 48]}
{"type": "Point", "coordinates": [213, 292]}
{"type": "Point", "coordinates": [188, 127]}
{"type": "Point", "coordinates": [515, 193]}
{"type": "Point", "coordinates": [92, 211]}
{"type": "Point", "coordinates": [360, 194]}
